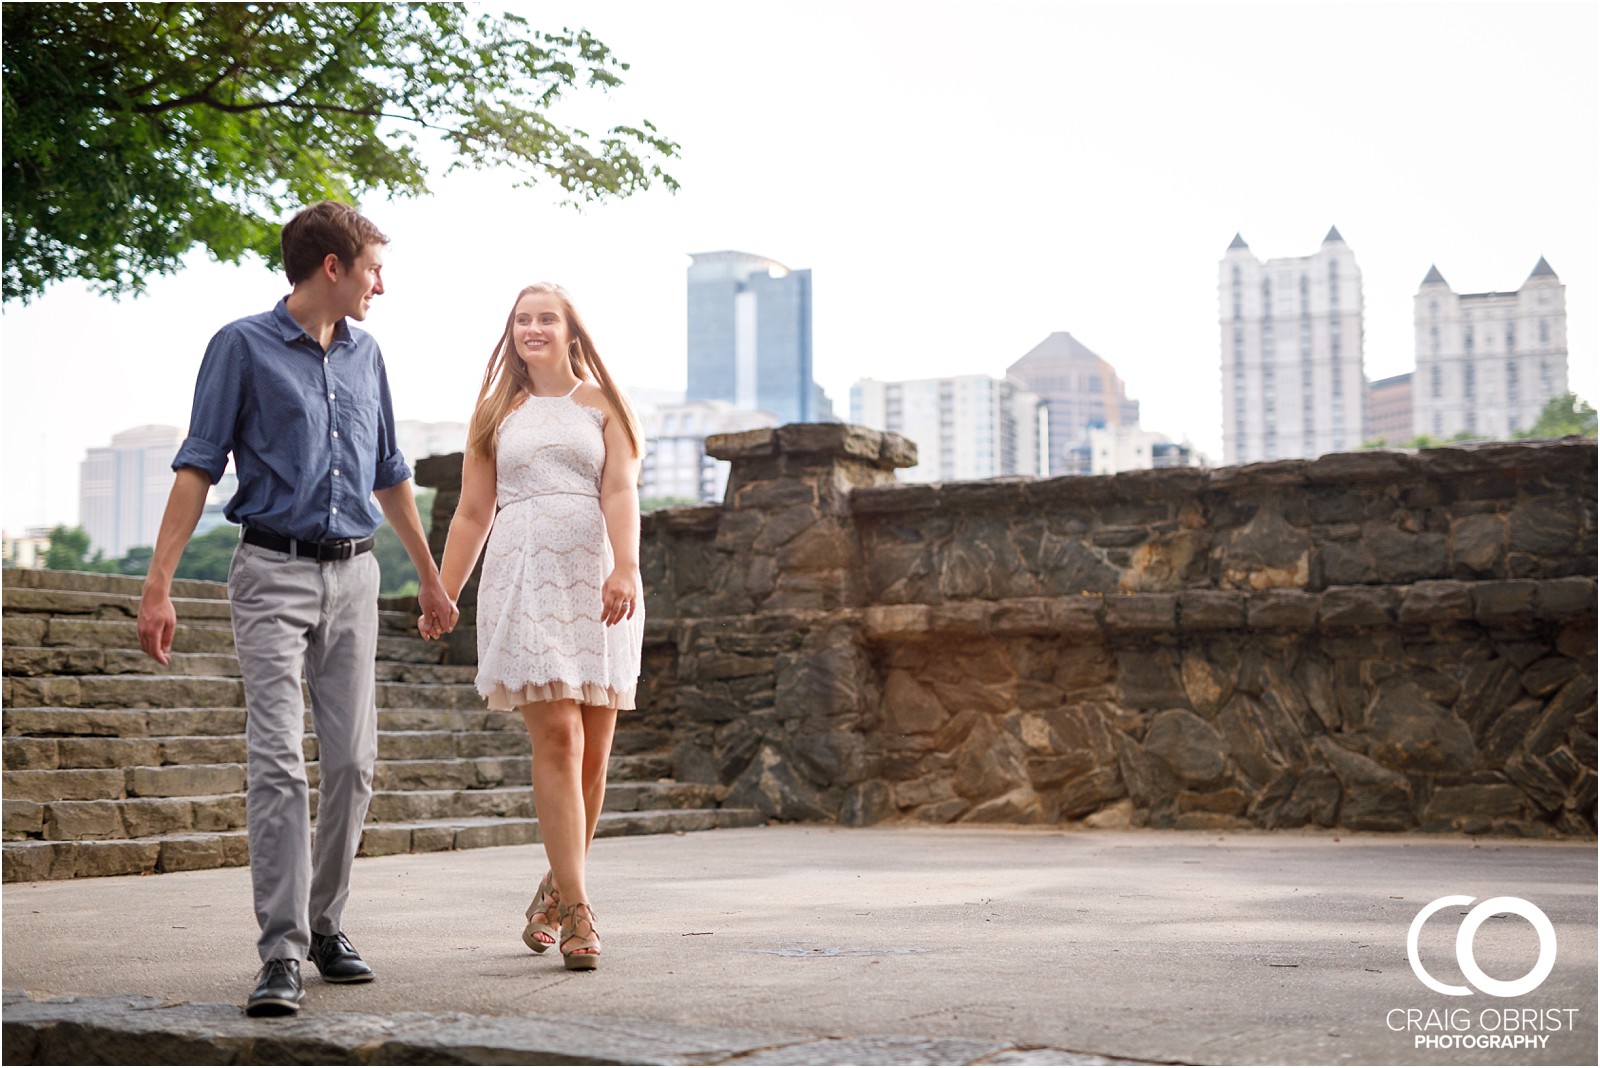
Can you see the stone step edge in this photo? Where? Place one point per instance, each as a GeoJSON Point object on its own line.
{"type": "Point", "coordinates": [99, 582]}
{"type": "Point", "coordinates": [240, 740]}
{"type": "Point", "coordinates": [510, 717]}
{"type": "Point", "coordinates": [490, 722]}
{"type": "Point", "coordinates": [36, 861]}
{"type": "Point", "coordinates": [622, 786]}
{"type": "Point", "coordinates": [464, 674]}
{"type": "Point", "coordinates": [57, 1030]}
{"type": "Point", "coordinates": [24, 601]}
{"type": "Point", "coordinates": [130, 625]}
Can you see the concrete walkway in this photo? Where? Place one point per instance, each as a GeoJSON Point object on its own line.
{"type": "Point", "coordinates": [821, 945]}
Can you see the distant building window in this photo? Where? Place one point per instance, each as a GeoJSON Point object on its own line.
{"type": "Point", "coordinates": [1511, 381]}
{"type": "Point", "coordinates": [1466, 338]}
{"type": "Point", "coordinates": [1511, 339]}
{"type": "Point", "coordinates": [1433, 309]}
{"type": "Point", "coordinates": [1435, 381]}
{"type": "Point", "coordinates": [1544, 331]}
{"type": "Point", "coordinates": [1469, 382]}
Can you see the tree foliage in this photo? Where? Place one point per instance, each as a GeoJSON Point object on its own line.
{"type": "Point", "coordinates": [1423, 441]}
{"type": "Point", "coordinates": [398, 574]}
{"type": "Point", "coordinates": [135, 131]}
{"type": "Point", "coordinates": [651, 504]}
{"type": "Point", "coordinates": [208, 556]}
{"type": "Point", "coordinates": [69, 551]}
{"type": "Point", "coordinates": [1563, 416]}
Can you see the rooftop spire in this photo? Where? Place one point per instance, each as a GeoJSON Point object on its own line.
{"type": "Point", "coordinates": [1434, 277]}
{"type": "Point", "coordinates": [1238, 242]}
{"type": "Point", "coordinates": [1333, 235]}
{"type": "Point", "coordinates": [1542, 268]}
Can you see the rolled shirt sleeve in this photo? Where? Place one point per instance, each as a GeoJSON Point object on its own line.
{"type": "Point", "coordinates": [218, 398]}
{"type": "Point", "coordinates": [391, 468]}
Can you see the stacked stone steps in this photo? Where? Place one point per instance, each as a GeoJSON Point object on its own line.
{"type": "Point", "coordinates": [114, 764]}
{"type": "Point", "coordinates": [50, 754]}
{"type": "Point", "coordinates": [76, 806]}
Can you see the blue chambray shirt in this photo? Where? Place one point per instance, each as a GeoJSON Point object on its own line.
{"type": "Point", "coordinates": [312, 433]}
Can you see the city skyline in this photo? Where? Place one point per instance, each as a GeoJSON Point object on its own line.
{"type": "Point", "coordinates": [950, 220]}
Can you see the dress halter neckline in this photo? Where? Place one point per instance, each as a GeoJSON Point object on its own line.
{"type": "Point", "coordinates": [565, 396]}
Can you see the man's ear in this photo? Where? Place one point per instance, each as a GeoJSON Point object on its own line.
{"type": "Point", "coordinates": [331, 267]}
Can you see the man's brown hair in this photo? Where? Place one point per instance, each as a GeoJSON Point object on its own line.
{"type": "Point", "coordinates": [323, 228]}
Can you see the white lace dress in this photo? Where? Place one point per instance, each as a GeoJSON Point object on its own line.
{"type": "Point", "coordinates": [540, 636]}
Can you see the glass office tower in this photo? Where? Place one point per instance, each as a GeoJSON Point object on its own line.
{"type": "Point", "coordinates": [750, 336]}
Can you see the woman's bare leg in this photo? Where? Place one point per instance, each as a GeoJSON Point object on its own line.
{"type": "Point", "coordinates": [599, 727]}
{"type": "Point", "coordinates": [556, 729]}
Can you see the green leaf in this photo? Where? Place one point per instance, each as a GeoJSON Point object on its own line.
{"type": "Point", "coordinates": [134, 132]}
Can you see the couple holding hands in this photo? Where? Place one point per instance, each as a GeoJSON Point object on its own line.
{"type": "Point", "coordinates": [549, 497]}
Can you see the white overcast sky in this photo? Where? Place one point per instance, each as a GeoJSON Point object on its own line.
{"type": "Point", "coordinates": [962, 179]}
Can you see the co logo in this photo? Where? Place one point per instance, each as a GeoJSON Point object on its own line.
{"type": "Point", "coordinates": [1464, 955]}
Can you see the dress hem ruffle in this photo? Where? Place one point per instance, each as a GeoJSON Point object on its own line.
{"type": "Point", "coordinates": [506, 699]}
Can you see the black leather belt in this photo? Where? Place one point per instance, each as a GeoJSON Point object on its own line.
{"type": "Point", "coordinates": [340, 549]}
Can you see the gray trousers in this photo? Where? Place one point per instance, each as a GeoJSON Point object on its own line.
{"type": "Point", "coordinates": [291, 614]}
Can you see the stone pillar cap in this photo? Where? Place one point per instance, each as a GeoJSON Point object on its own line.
{"type": "Point", "coordinates": [880, 448]}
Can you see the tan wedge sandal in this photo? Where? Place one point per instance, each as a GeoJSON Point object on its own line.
{"type": "Point", "coordinates": [545, 902]}
{"type": "Point", "coordinates": [573, 925]}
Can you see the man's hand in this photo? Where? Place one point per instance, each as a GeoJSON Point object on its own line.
{"type": "Point", "coordinates": [158, 622]}
{"type": "Point", "coordinates": [439, 612]}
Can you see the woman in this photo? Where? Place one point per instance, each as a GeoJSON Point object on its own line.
{"type": "Point", "coordinates": [555, 447]}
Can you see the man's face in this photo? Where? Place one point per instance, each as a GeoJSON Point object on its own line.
{"type": "Point", "coordinates": [363, 281]}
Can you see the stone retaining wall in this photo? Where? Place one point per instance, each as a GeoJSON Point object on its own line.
{"type": "Point", "coordinates": [1378, 641]}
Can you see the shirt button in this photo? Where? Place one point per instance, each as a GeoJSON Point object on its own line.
{"type": "Point", "coordinates": [336, 511]}
{"type": "Point", "coordinates": [330, 396]}
{"type": "Point", "coordinates": [324, 359]}
{"type": "Point", "coordinates": [335, 472]}
{"type": "Point", "coordinates": [335, 433]}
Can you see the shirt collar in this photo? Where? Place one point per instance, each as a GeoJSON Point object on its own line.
{"type": "Point", "coordinates": [293, 331]}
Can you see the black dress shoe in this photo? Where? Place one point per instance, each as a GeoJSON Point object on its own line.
{"type": "Point", "coordinates": [278, 990]}
{"type": "Point", "coordinates": [338, 960]}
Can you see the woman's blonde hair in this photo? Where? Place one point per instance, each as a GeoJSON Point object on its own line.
{"type": "Point", "coordinates": [507, 376]}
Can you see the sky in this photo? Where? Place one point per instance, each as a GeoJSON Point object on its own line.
{"type": "Point", "coordinates": [961, 178]}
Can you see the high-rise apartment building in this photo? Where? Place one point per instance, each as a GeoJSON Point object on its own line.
{"type": "Point", "coordinates": [1080, 390]}
{"type": "Point", "coordinates": [750, 337]}
{"type": "Point", "coordinates": [123, 489]}
{"type": "Point", "coordinates": [28, 549]}
{"type": "Point", "coordinates": [1389, 410]}
{"type": "Point", "coordinates": [418, 440]}
{"type": "Point", "coordinates": [1108, 450]}
{"type": "Point", "coordinates": [965, 427]}
{"type": "Point", "coordinates": [1488, 362]}
{"type": "Point", "coordinates": [1291, 332]}
{"type": "Point", "coordinates": [675, 464]}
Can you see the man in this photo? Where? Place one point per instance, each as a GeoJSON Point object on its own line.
{"type": "Point", "coordinates": [301, 400]}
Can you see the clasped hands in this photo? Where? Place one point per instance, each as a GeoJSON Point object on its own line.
{"type": "Point", "coordinates": [439, 612]}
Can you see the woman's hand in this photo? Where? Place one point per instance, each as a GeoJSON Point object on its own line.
{"type": "Point", "coordinates": [620, 595]}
